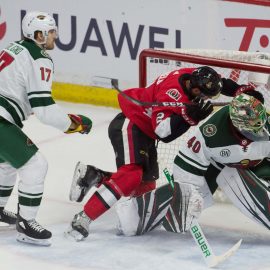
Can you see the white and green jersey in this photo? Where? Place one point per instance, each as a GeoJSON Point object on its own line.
{"type": "Point", "coordinates": [26, 73]}
{"type": "Point", "coordinates": [217, 142]}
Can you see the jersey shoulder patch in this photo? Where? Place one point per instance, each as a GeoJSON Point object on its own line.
{"type": "Point", "coordinates": [35, 51]}
{"type": "Point", "coordinates": [216, 130]}
{"type": "Point", "coordinates": [14, 48]}
{"type": "Point", "coordinates": [209, 130]}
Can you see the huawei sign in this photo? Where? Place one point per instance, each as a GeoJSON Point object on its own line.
{"type": "Point", "coordinates": [3, 27]}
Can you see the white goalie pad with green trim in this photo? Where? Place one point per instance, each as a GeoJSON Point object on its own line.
{"type": "Point", "coordinates": [139, 215]}
{"type": "Point", "coordinates": [249, 193]}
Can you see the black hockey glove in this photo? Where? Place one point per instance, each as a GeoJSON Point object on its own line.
{"type": "Point", "coordinates": [199, 109]}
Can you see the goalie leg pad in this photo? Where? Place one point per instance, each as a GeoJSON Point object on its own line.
{"type": "Point", "coordinates": [187, 204]}
{"type": "Point", "coordinates": [144, 213]}
{"type": "Point", "coordinates": [249, 193]}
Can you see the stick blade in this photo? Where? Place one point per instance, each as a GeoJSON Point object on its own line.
{"type": "Point", "coordinates": [221, 258]}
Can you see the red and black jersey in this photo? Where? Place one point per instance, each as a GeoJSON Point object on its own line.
{"type": "Point", "coordinates": [166, 88]}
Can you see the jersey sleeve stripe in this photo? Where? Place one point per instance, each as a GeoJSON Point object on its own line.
{"type": "Point", "coordinates": [39, 96]}
{"type": "Point", "coordinates": [11, 110]}
{"type": "Point", "coordinates": [188, 167]}
{"type": "Point", "coordinates": [190, 160]}
{"type": "Point", "coordinates": [39, 93]}
{"type": "Point", "coordinates": [41, 102]}
{"type": "Point", "coordinates": [16, 106]}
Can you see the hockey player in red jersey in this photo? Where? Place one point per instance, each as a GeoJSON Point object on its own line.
{"type": "Point", "coordinates": [133, 134]}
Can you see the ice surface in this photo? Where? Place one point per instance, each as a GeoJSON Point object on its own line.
{"type": "Point", "coordinates": [159, 250]}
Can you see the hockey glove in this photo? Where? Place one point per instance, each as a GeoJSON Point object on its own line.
{"type": "Point", "coordinates": [83, 124]}
{"type": "Point", "coordinates": [199, 109]}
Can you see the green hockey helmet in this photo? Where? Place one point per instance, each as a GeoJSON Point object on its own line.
{"type": "Point", "coordinates": [248, 115]}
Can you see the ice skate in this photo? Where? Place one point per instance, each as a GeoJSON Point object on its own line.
{"type": "Point", "coordinates": [85, 177]}
{"type": "Point", "coordinates": [31, 232]}
{"type": "Point", "coordinates": [79, 227]}
{"type": "Point", "coordinates": [7, 219]}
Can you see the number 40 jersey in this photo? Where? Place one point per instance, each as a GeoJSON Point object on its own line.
{"type": "Point", "coordinates": [216, 141]}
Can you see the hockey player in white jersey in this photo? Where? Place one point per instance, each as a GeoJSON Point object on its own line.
{"type": "Point", "coordinates": [26, 72]}
{"type": "Point", "coordinates": [230, 150]}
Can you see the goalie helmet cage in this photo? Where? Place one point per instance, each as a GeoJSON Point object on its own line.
{"type": "Point", "coordinates": [242, 67]}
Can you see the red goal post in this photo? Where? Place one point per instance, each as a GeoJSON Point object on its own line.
{"type": "Point", "coordinates": [242, 67]}
{"type": "Point", "coordinates": [249, 61]}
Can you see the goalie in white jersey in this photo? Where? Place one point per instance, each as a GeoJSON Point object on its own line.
{"type": "Point", "coordinates": [26, 72]}
{"type": "Point", "coordinates": [231, 149]}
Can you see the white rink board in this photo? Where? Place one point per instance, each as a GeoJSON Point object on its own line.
{"type": "Point", "coordinates": [93, 47]}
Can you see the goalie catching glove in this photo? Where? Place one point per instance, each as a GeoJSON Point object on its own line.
{"type": "Point", "coordinates": [198, 110]}
{"type": "Point", "coordinates": [82, 124]}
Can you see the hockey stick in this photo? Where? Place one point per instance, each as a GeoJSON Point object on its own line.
{"type": "Point", "coordinates": [210, 258]}
{"type": "Point", "coordinates": [114, 83]}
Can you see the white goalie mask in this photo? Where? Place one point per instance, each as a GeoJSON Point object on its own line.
{"type": "Point", "coordinates": [37, 21]}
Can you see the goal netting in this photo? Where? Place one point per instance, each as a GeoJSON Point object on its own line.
{"type": "Point", "coordinates": [242, 67]}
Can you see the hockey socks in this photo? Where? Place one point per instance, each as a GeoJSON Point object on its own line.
{"type": "Point", "coordinates": [121, 183]}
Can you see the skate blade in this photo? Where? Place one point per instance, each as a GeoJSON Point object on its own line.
{"type": "Point", "coordinates": [73, 235]}
{"type": "Point", "coordinates": [74, 193]}
{"type": "Point", "coordinates": [29, 240]}
{"type": "Point", "coordinates": [7, 227]}
{"type": "Point", "coordinates": [75, 190]}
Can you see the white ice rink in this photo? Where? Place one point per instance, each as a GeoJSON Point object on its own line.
{"type": "Point", "coordinates": [159, 250]}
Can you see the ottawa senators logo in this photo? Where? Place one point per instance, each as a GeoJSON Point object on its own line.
{"type": "Point", "coordinates": [174, 94]}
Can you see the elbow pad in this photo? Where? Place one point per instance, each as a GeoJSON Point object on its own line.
{"type": "Point", "coordinates": [178, 126]}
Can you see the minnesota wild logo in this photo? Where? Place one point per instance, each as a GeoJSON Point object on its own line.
{"type": "Point", "coordinates": [209, 130]}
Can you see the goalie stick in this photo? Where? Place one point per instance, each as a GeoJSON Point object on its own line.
{"type": "Point", "coordinates": [210, 258]}
{"type": "Point", "coordinates": [114, 83]}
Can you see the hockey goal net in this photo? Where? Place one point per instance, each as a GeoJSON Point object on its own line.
{"type": "Point", "coordinates": [242, 67]}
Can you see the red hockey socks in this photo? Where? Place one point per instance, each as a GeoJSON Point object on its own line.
{"type": "Point", "coordinates": [121, 183]}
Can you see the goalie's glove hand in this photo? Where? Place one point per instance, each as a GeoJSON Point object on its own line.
{"type": "Point", "coordinates": [80, 123]}
{"type": "Point", "coordinates": [199, 109]}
